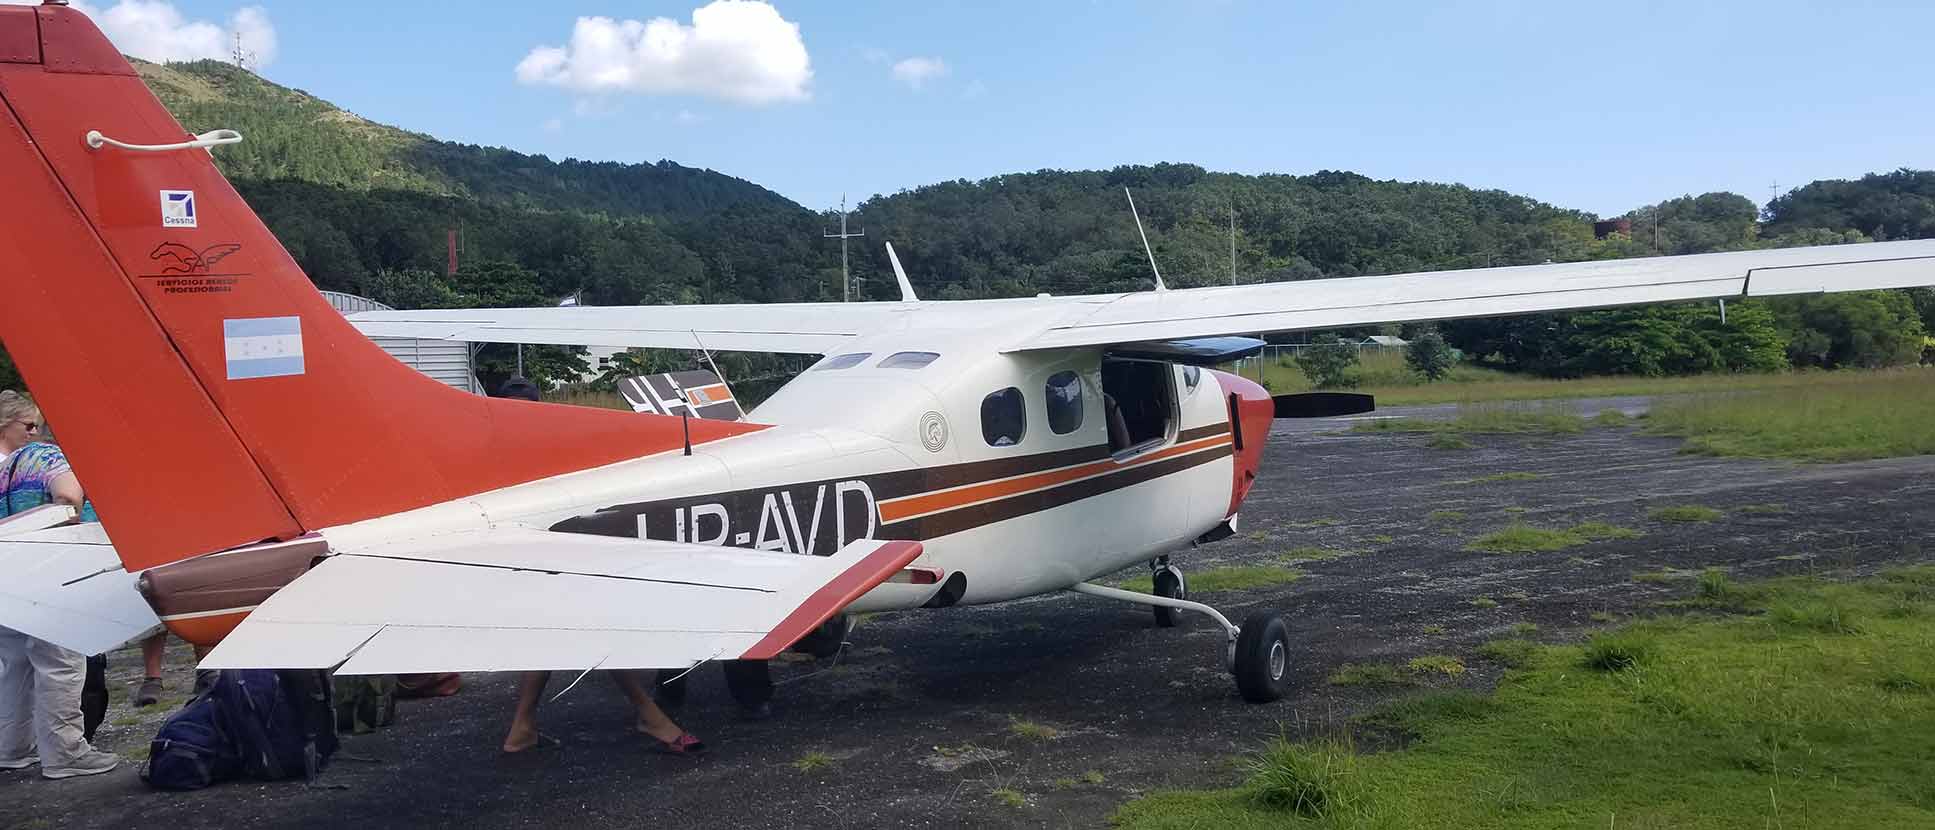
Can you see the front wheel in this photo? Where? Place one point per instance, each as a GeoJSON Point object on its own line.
{"type": "Point", "coordinates": [1169, 583]}
{"type": "Point", "coordinates": [1262, 657]}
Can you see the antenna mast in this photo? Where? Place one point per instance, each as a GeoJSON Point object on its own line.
{"type": "Point", "coordinates": [1145, 240]}
{"type": "Point", "coordinates": [846, 283]}
{"type": "Point", "coordinates": [1232, 239]}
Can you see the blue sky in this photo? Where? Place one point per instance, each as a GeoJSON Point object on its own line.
{"type": "Point", "coordinates": [1599, 107]}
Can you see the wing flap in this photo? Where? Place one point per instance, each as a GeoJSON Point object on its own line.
{"type": "Point", "coordinates": [505, 600]}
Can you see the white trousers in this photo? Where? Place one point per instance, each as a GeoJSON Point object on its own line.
{"type": "Point", "coordinates": [40, 700]}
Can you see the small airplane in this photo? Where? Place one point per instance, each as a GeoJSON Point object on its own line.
{"type": "Point", "coordinates": [278, 488]}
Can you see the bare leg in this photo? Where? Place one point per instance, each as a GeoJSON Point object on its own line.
{"type": "Point", "coordinates": [651, 720]}
{"type": "Point", "coordinates": [524, 733]}
{"type": "Point", "coordinates": [151, 653]}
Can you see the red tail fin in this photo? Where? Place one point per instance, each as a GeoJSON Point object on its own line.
{"type": "Point", "coordinates": [207, 394]}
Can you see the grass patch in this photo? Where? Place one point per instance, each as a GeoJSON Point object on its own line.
{"type": "Point", "coordinates": [1234, 578]}
{"type": "Point", "coordinates": [1309, 553]}
{"type": "Point", "coordinates": [1008, 797]}
{"type": "Point", "coordinates": [1318, 780]}
{"type": "Point", "coordinates": [1613, 651]}
{"type": "Point", "coordinates": [1684, 513]}
{"type": "Point", "coordinates": [1611, 418]}
{"type": "Point", "coordinates": [812, 761]}
{"type": "Point", "coordinates": [1523, 538]}
{"type": "Point", "coordinates": [1448, 441]}
{"type": "Point", "coordinates": [1485, 420]}
{"type": "Point", "coordinates": [1510, 653]}
{"type": "Point", "coordinates": [1656, 577]}
{"type": "Point", "coordinates": [1524, 629]}
{"type": "Point", "coordinates": [1368, 674]}
{"type": "Point", "coordinates": [1512, 476]}
{"type": "Point", "coordinates": [1482, 601]}
{"type": "Point", "coordinates": [1446, 516]}
{"type": "Point", "coordinates": [1313, 524]}
{"type": "Point", "coordinates": [1030, 730]}
{"type": "Point", "coordinates": [1839, 416]}
{"type": "Point", "coordinates": [1433, 629]}
{"type": "Point", "coordinates": [1444, 664]}
{"type": "Point", "coordinates": [1761, 509]}
{"type": "Point", "coordinates": [1689, 722]}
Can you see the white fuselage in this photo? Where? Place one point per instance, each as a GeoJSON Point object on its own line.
{"type": "Point", "coordinates": [904, 453]}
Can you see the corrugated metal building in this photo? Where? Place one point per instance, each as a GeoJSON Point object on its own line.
{"type": "Point", "coordinates": [446, 360]}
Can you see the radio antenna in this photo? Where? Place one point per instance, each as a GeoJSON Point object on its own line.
{"type": "Point", "coordinates": [1145, 240]}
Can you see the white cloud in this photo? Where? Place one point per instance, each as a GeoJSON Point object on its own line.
{"type": "Point", "coordinates": [916, 72]}
{"type": "Point", "coordinates": [687, 118]}
{"type": "Point", "coordinates": [738, 50]}
{"type": "Point", "coordinates": [554, 125]}
{"type": "Point", "coordinates": [155, 30]}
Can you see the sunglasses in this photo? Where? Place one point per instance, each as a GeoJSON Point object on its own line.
{"type": "Point", "coordinates": [30, 425]}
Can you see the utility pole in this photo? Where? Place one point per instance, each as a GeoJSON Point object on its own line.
{"type": "Point", "coordinates": [1232, 239]}
{"type": "Point", "coordinates": [846, 283]}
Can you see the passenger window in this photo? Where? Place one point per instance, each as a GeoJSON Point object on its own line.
{"type": "Point", "coordinates": [845, 361]}
{"type": "Point", "coordinates": [1064, 402]}
{"type": "Point", "coordinates": [908, 360]}
{"type": "Point", "coordinates": [1004, 418]}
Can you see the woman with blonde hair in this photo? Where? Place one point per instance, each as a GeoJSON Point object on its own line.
{"type": "Point", "coordinates": [40, 683]}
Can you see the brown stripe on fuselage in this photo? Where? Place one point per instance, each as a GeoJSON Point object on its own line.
{"type": "Point", "coordinates": [968, 518]}
{"type": "Point", "coordinates": [897, 510]}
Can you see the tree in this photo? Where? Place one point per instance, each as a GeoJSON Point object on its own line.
{"type": "Point", "coordinates": [1866, 329]}
{"type": "Point", "coordinates": [1329, 362]}
{"type": "Point", "coordinates": [1429, 355]}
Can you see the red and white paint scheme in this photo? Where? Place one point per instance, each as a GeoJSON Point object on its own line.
{"type": "Point", "coordinates": [279, 488]}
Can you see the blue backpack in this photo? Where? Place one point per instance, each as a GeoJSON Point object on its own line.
{"type": "Point", "coordinates": [266, 725]}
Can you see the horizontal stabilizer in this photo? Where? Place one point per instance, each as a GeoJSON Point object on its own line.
{"type": "Point", "coordinates": [66, 586]}
{"type": "Point", "coordinates": [521, 599]}
{"type": "Point", "coordinates": [1323, 404]}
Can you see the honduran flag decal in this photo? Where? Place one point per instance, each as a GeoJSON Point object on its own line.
{"type": "Point", "coordinates": [262, 347]}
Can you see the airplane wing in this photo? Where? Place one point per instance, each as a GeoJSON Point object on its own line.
{"type": "Point", "coordinates": [794, 328]}
{"type": "Point", "coordinates": [522, 599]}
{"type": "Point", "coordinates": [65, 585]}
{"type": "Point", "coordinates": [1149, 316]}
{"type": "Point", "coordinates": [1491, 292]}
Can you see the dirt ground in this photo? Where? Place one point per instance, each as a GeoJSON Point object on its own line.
{"type": "Point", "coordinates": [927, 713]}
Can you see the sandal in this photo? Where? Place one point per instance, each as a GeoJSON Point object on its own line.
{"type": "Point", "coordinates": [685, 744]}
{"type": "Point", "coordinates": [543, 742]}
{"type": "Point", "coordinates": [149, 694]}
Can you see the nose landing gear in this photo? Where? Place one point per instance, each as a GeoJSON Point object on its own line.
{"type": "Point", "coordinates": [1258, 653]}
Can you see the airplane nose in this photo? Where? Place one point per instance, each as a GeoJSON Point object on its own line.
{"type": "Point", "coordinates": [1251, 412]}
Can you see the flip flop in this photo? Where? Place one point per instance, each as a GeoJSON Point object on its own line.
{"type": "Point", "coordinates": [544, 742]}
{"type": "Point", "coordinates": [685, 744]}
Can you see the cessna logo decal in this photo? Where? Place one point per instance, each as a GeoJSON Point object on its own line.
{"type": "Point", "coordinates": [933, 431]}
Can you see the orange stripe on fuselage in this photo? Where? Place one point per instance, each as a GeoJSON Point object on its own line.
{"type": "Point", "coordinates": [901, 509]}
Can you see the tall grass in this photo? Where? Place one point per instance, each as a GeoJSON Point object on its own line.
{"type": "Point", "coordinates": [1842, 416]}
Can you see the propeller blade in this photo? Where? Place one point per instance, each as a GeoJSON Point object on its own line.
{"type": "Point", "coordinates": [1323, 404]}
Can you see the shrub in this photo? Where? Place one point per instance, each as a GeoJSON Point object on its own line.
{"type": "Point", "coordinates": [1317, 780]}
{"type": "Point", "coordinates": [1329, 362]}
{"type": "Point", "coordinates": [1617, 651]}
{"type": "Point", "coordinates": [1429, 356]}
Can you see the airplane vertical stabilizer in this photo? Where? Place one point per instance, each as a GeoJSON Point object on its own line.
{"type": "Point", "coordinates": [207, 394]}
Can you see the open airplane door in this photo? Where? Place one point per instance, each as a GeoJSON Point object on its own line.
{"type": "Point", "coordinates": [698, 393]}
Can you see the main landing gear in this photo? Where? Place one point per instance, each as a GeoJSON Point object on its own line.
{"type": "Point", "coordinates": [1257, 653]}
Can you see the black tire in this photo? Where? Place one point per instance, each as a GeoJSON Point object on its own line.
{"type": "Point", "coordinates": [749, 681]}
{"type": "Point", "coordinates": [1169, 583]}
{"type": "Point", "coordinates": [825, 641]}
{"type": "Point", "coordinates": [1262, 657]}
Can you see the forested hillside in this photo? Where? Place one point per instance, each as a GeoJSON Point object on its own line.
{"type": "Point", "coordinates": [365, 207]}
